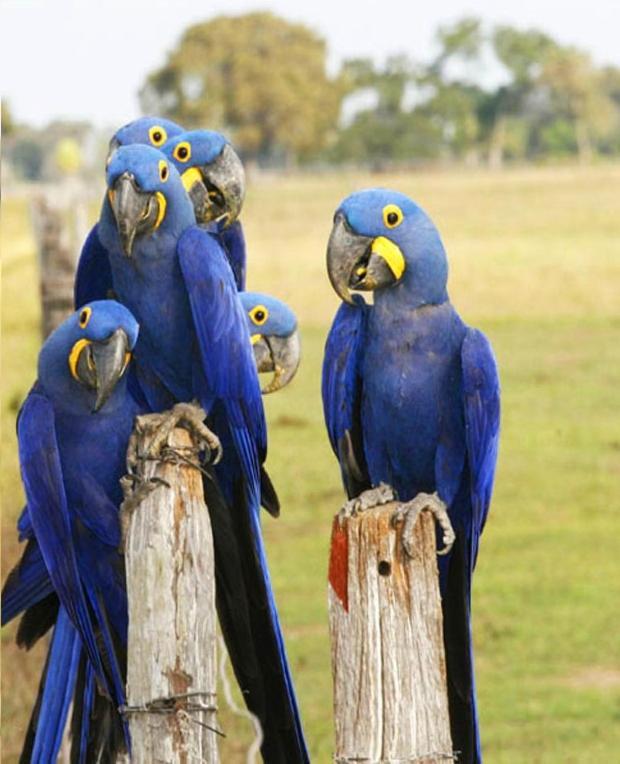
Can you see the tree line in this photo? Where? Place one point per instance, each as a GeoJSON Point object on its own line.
{"type": "Point", "coordinates": [264, 80]}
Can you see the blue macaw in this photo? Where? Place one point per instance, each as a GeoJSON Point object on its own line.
{"type": "Point", "coordinates": [175, 278]}
{"type": "Point", "coordinates": [272, 326]}
{"type": "Point", "coordinates": [214, 178]}
{"type": "Point", "coordinates": [73, 430]}
{"type": "Point", "coordinates": [411, 403]}
{"type": "Point", "coordinates": [94, 278]}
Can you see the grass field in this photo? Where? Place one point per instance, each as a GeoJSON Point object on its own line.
{"type": "Point", "coordinates": [535, 263]}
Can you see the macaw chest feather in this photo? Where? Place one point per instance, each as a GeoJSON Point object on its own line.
{"type": "Point", "coordinates": [411, 390]}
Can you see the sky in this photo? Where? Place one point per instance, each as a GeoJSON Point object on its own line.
{"type": "Point", "coordinates": [88, 59]}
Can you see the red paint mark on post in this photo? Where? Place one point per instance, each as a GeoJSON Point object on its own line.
{"type": "Point", "coordinates": [339, 563]}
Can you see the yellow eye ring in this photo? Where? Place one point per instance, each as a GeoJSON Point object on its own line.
{"type": "Point", "coordinates": [84, 318]}
{"type": "Point", "coordinates": [163, 171]}
{"type": "Point", "coordinates": [157, 135]}
{"type": "Point", "coordinates": [259, 314]}
{"type": "Point", "coordinates": [182, 152]}
{"type": "Point", "coordinates": [392, 216]}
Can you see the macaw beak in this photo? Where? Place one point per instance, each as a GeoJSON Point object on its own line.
{"type": "Point", "coordinates": [101, 364]}
{"type": "Point", "coordinates": [280, 355]}
{"type": "Point", "coordinates": [217, 189]}
{"type": "Point", "coordinates": [361, 263]}
{"type": "Point", "coordinates": [137, 212]}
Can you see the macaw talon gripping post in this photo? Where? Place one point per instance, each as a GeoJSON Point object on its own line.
{"type": "Point", "coordinates": [409, 512]}
{"type": "Point", "coordinates": [369, 499]}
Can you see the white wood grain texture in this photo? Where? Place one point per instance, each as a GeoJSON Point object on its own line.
{"type": "Point", "coordinates": [172, 616]}
{"type": "Point", "coordinates": [388, 661]}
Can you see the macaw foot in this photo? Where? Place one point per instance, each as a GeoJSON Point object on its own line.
{"type": "Point", "coordinates": [135, 490]}
{"type": "Point", "coordinates": [156, 429]}
{"type": "Point", "coordinates": [408, 515]}
{"type": "Point", "coordinates": [373, 497]}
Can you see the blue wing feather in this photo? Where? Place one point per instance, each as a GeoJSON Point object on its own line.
{"type": "Point", "coordinates": [342, 390]}
{"type": "Point", "coordinates": [481, 401]}
{"type": "Point", "coordinates": [93, 278]}
{"type": "Point", "coordinates": [233, 241]}
{"type": "Point", "coordinates": [28, 583]}
{"type": "Point", "coordinates": [59, 681]}
{"type": "Point", "coordinates": [220, 323]}
{"type": "Point", "coordinates": [49, 515]}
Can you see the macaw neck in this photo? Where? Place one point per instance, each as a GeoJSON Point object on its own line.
{"type": "Point", "coordinates": [413, 291]}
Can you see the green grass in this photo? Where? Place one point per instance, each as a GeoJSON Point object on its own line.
{"type": "Point", "coordinates": [534, 258]}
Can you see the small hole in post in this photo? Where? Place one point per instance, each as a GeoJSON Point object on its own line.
{"type": "Point", "coordinates": [384, 568]}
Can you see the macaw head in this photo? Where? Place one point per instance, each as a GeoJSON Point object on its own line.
{"type": "Point", "coordinates": [273, 330]}
{"type": "Point", "coordinates": [383, 242]}
{"type": "Point", "coordinates": [148, 131]}
{"type": "Point", "coordinates": [88, 353]}
{"type": "Point", "coordinates": [212, 174]}
{"type": "Point", "coordinates": [145, 192]}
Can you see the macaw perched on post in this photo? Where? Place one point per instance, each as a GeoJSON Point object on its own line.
{"type": "Point", "coordinates": [94, 278]}
{"type": "Point", "coordinates": [273, 332]}
{"type": "Point", "coordinates": [411, 403]}
{"type": "Point", "coordinates": [73, 430]}
{"type": "Point", "coordinates": [214, 178]}
{"type": "Point", "coordinates": [175, 278]}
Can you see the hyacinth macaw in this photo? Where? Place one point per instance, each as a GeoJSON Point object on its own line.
{"type": "Point", "coordinates": [411, 403]}
{"type": "Point", "coordinates": [73, 431]}
{"type": "Point", "coordinates": [214, 178]}
{"type": "Point", "coordinates": [175, 278]}
{"type": "Point", "coordinates": [94, 277]}
{"type": "Point", "coordinates": [273, 332]}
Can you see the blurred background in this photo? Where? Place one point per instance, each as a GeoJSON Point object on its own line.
{"type": "Point", "coordinates": [505, 127]}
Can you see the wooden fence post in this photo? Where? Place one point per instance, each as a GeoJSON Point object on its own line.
{"type": "Point", "coordinates": [172, 670]}
{"type": "Point", "coordinates": [388, 661]}
{"type": "Point", "coordinates": [60, 221]}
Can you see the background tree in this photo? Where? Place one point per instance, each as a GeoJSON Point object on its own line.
{"type": "Point", "coordinates": [578, 94]}
{"type": "Point", "coordinates": [258, 77]}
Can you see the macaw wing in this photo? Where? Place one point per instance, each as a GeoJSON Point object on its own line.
{"type": "Point", "coordinates": [481, 401]}
{"type": "Point", "coordinates": [225, 349]}
{"type": "Point", "coordinates": [93, 278]}
{"type": "Point", "coordinates": [49, 514]}
{"type": "Point", "coordinates": [342, 393]}
{"type": "Point", "coordinates": [27, 584]}
{"type": "Point", "coordinates": [234, 244]}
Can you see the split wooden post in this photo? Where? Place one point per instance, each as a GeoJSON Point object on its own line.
{"type": "Point", "coordinates": [60, 224]}
{"type": "Point", "coordinates": [172, 668]}
{"type": "Point", "coordinates": [388, 661]}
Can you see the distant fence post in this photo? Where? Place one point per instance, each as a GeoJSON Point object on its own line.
{"type": "Point", "coordinates": [172, 671]}
{"type": "Point", "coordinates": [60, 219]}
{"type": "Point", "coordinates": [388, 661]}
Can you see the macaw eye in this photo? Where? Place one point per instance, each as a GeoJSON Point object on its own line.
{"type": "Point", "coordinates": [157, 135]}
{"type": "Point", "coordinates": [182, 152]}
{"type": "Point", "coordinates": [259, 314]}
{"type": "Point", "coordinates": [163, 171]}
{"type": "Point", "coordinates": [85, 314]}
{"type": "Point", "coordinates": [392, 216]}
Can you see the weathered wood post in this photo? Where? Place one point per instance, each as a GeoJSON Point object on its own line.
{"type": "Point", "coordinates": [172, 670]}
{"type": "Point", "coordinates": [388, 662]}
{"type": "Point", "coordinates": [60, 221]}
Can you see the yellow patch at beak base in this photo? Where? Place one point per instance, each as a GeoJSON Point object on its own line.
{"type": "Point", "coordinates": [391, 253]}
{"type": "Point", "coordinates": [255, 338]}
{"type": "Point", "coordinates": [74, 356]}
{"type": "Point", "coordinates": [191, 176]}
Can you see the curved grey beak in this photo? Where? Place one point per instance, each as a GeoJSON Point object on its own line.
{"type": "Point", "coordinates": [135, 210]}
{"type": "Point", "coordinates": [346, 250]}
{"type": "Point", "coordinates": [110, 359]}
{"type": "Point", "coordinates": [280, 355]}
{"type": "Point", "coordinates": [219, 195]}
